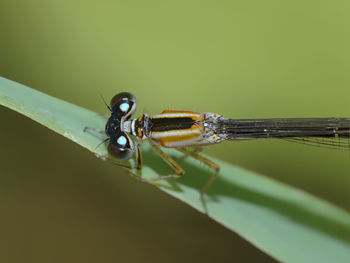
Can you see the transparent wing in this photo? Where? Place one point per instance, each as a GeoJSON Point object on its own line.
{"type": "Point", "coordinates": [330, 143]}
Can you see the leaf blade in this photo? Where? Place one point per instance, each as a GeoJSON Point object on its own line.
{"type": "Point", "coordinates": [285, 222]}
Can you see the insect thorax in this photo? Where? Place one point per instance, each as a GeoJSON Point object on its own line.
{"type": "Point", "coordinates": [140, 127]}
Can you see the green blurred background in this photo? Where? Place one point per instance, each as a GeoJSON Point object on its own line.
{"type": "Point", "coordinates": [242, 59]}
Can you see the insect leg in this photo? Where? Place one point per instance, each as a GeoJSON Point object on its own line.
{"type": "Point", "coordinates": [170, 161]}
{"type": "Point", "coordinates": [138, 156]}
{"type": "Point", "coordinates": [210, 164]}
{"type": "Point", "coordinates": [195, 149]}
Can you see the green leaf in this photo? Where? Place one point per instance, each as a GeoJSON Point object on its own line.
{"type": "Point", "coordinates": [286, 223]}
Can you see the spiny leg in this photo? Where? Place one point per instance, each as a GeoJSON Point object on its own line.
{"type": "Point", "coordinates": [195, 149]}
{"type": "Point", "coordinates": [207, 162]}
{"type": "Point", "coordinates": [170, 161]}
{"type": "Point", "coordinates": [139, 161]}
{"type": "Point", "coordinates": [210, 164]}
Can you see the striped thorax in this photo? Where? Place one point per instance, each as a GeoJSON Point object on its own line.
{"type": "Point", "coordinates": [175, 129]}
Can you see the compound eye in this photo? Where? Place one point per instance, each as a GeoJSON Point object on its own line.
{"type": "Point", "coordinates": [123, 105]}
{"type": "Point", "coordinates": [120, 147]}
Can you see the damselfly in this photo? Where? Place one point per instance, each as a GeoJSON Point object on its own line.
{"type": "Point", "coordinates": [181, 129]}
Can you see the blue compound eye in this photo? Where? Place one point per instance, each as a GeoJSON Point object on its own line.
{"type": "Point", "coordinates": [123, 105]}
{"type": "Point", "coordinates": [120, 146]}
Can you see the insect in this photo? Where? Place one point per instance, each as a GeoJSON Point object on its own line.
{"type": "Point", "coordinates": [181, 129]}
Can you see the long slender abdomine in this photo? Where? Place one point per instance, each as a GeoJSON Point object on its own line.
{"type": "Point", "coordinates": [282, 128]}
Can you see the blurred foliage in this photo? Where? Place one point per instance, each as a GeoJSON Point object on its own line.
{"type": "Point", "coordinates": [241, 59]}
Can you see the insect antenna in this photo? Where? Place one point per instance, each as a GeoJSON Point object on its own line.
{"type": "Point", "coordinates": [105, 102]}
